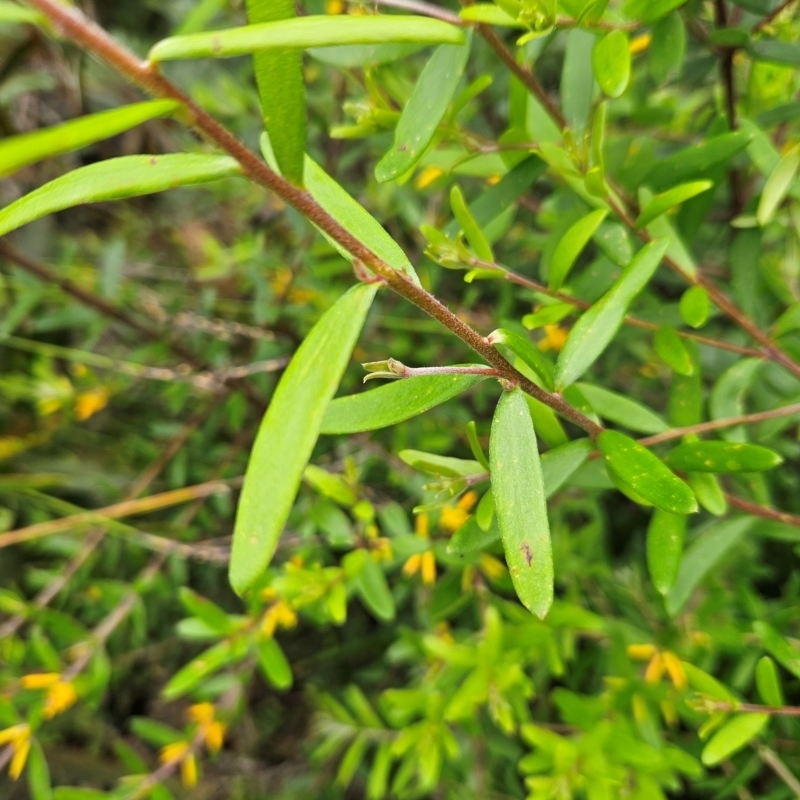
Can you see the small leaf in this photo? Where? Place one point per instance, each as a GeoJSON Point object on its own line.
{"type": "Point", "coordinates": [289, 432]}
{"type": "Point", "coordinates": [645, 474]}
{"type": "Point", "coordinates": [440, 465]}
{"type": "Point", "coordinates": [484, 513]}
{"type": "Point", "coordinates": [665, 536]}
{"type": "Point", "coordinates": [330, 485]}
{"type": "Point", "coordinates": [488, 14]}
{"type": "Point", "coordinates": [672, 351]}
{"type": "Point", "coordinates": [649, 11]}
{"type": "Point", "coordinates": [614, 243]}
{"type": "Point", "coordinates": [577, 79]}
{"type": "Point", "coordinates": [695, 306]}
{"type": "Point", "coordinates": [571, 245]}
{"type": "Point", "coordinates": [475, 445]}
{"type": "Point", "coordinates": [592, 333]}
{"type": "Point", "coordinates": [38, 774]}
{"type": "Point", "coordinates": [475, 236]}
{"type": "Point", "coordinates": [721, 457]}
{"type": "Point", "coordinates": [377, 785]}
{"type": "Point", "coordinates": [662, 203]}
{"type": "Point", "coordinates": [787, 655]}
{"type": "Point", "coordinates": [351, 760]}
{"type": "Point", "coordinates": [153, 732]}
{"type": "Point", "coordinates": [526, 350]}
{"type": "Point", "coordinates": [775, 51]}
{"type": "Point", "coordinates": [777, 186]}
{"type": "Point", "coordinates": [273, 664]}
{"type": "Point", "coordinates": [732, 737]}
{"type": "Point", "coordinates": [787, 322]}
{"type": "Point", "coordinates": [281, 88]}
{"type": "Point", "coordinates": [220, 655]}
{"type": "Point", "coordinates": [708, 492]}
{"type": "Point", "coordinates": [204, 609]}
{"type": "Point", "coordinates": [304, 32]}
{"type": "Point", "coordinates": [611, 62]}
{"type": "Point", "coordinates": [703, 555]}
{"type": "Point", "coordinates": [116, 179]}
{"type": "Point", "coordinates": [424, 110]}
{"type": "Point", "coordinates": [28, 148]}
{"type": "Point", "coordinates": [374, 591]}
{"type": "Point", "coordinates": [11, 12]}
{"type": "Point", "coordinates": [520, 505]}
{"type": "Point", "coordinates": [560, 463]}
{"type": "Point", "coordinates": [768, 682]}
{"type": "Point", "coordinates": [471, 537]}
{"type": "Point", "coordinates": [622, 410]}
{"type": "Point", "coordinates": [548, 315]}
{"type": "Point", "coordinates": [667, 51]}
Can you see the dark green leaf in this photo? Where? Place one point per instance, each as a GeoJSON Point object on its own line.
{"type": "Point", "coordinates": [667, 51]}
{"type": "Point", "coordinates": [520, 506]}
{"type": "Point", "coordinates": [665, 536]}
{"type": "Point", "coordinates": [650, 10]}
{"type": "Point", "coordinates": [372, 588]}
{"type": "Point", "coordinates": [570, 246]}
{"type": "Point", "coordinates": [289, 432]}
{"type": "Point", "coordinates": [721, 457]}
{"type": "Point", "coordinates": [38, 774]}
{"type": "Point", "coordinates": [672, 351]}
{"type": "Point", "coordinates": [560, 463]}
{"type": "Point", "coordinates": [471, 537]}
{"type": "Point", "coordinates": [775, 51]}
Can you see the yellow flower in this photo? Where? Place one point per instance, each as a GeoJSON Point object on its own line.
{"type": "Point", "coordinates": [675, 669]}
{"type": "Point", "coordinates": [554, 339]}
{"type": "Point", "coordinates": [655, 669]}
{"type": "Point", "coordinates": [381, 549]}
{"type": "Point", "coordinates": [640, 44]}
{"type": "Point", "coordinates": [89, 403]}
{"type": "Point", "coordinates": [493, 568]}
{"type": "Point", "coordinates": [279, 615]}
{"type": "Point", "coordinates": [212, 730]}
{"type": "Point", "coordinates": [202, 713]}
{"type": "Point", "coordinates": [641, 652]}
{"type": "Point", "coordinates": [422, 525]}
{"type": "Point", "coordinates": [424, 563]}
{"type": "Point", "coordinates": [428, 176]}
{"type": "Point", "coordinates": [179, 752]}
{"type": "Point", "coordinates": [215, 734]}
{"type": "Point", "coordinates": [453, 517]}
{"type": "Point", "coordinates": [40, 680]}
{"type": "Point", "coordinates": [467, 578]}
{"type": "Point", "coordinates": [412, 565]}
{"type": "Point", "coordinates": [19, 737]}
{"type": "Point", "coordinates": [334, 6]}
{"type": "Point", "coordinates": [60, 696]}
{"type": "Point", "coordinates": [660, 662]}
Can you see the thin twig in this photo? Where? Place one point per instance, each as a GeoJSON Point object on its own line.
{"type": "Point", "coordinates": [763, 511]}
{"type": "Point", "coordinates": [771, 758]}
{"type": "Point", "coordinates": [780, 8]}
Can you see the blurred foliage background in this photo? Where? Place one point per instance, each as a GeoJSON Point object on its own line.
{"type": "Point", "coordinates": [139, 346]}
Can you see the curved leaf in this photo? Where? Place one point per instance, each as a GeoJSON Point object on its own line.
{"type": "Point", "coordinates": [695, 306]}
{"type": "Point", "coordinates": [665, 536]}
{"type": "Point", "coordinates": [622, 410]}
{"type": "Point", "coordinates": [424, 110]}
{"type": "Point", "coordinates": [673, 352]}
{"type": "Point", "coordinates": [288, 434]}
{"type": "Point", "coordinates": [116, 179]}
{"type": "Point", "coordinates": [768, 682]}
{"type": "Point", "coordinates": [662, 203]}
{"type": "Point", "coordinates": [611, 62]}
{"type": "Point", "coordinates": [645, 474]}
{"type": "Point", "coordinates": [274, 664]}
{"type": "Point", "coordinates": [571, 245]}
{"type": "Point", "coordinates": [520, 505]}
{"type": "Point", "coordinates": [395, 402]}
{"type": "Point", "coordinates": [28, 148]}
{"type": "Point", "coordinates": [777, 186]}
{"type": "Point", "coordinates": [598, 326]}
{"type": "Point", "coordinates": [305, 32]}
{"type": "Point", "coordinates": [525, 349]}
{"type": "Point", "coordinates": [471, 537]}
{"type": "Point", "coordinates": [722, 457]}
{"type": "Point", "coordinates": [732, 737]}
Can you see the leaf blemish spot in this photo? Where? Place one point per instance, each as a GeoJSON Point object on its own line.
{"type": "Point", "coordinates": [526, 551]}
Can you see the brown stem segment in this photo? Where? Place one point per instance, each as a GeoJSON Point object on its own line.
{"type": "Point", "coordinates": [763, 511]}
{"type": "Point", "coordinates": [73, 25]}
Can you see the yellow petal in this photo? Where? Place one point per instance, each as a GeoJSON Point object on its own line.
{"type": "Point", "coordinates": [189, 771]}
{"type": "Point", "coordinates": [428, 176]}
{"type": "Point", "coordinates": [655, 669]}
{"type": "Point", "coordinates": [428, 568]}
{"type": "Point", "coordinates": [641, 652]}
{"type": "Point", "coordinates": [21, 751]}
{"type": "Point", "coordinates": [40, 680]}
{"type": "Point", "coordinates": [640, 44]}
{"type": "Point", "coordinates": [675, 669]}
{"type": "Point", "coordinates": [201, 712]}
{"type": "Point", "coordinates": [412, 565]}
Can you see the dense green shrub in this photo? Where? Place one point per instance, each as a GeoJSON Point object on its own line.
{"type": "Point", "coordinates": [550, 549]}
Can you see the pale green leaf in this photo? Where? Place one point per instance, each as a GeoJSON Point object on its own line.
{"type": "Point", "coordinates": [471, 537]}
{"type": "Point", "coordinates": [520, 505]}
{"type": "Point", "coordinates": [526, 350]}
{"type": "Point", "coordinates": [695, 306]}
{"type": "Point", "coordinates": [11, 12]}
{"type": "Point", "coordinates": [777, 186]}
{"type": "Point", "coordinates": [598, 326]}
{"type": "Point", "coordinates": [488, 14]}
{"type": "Point", "coordinates": [662, 203]}
{"type": "Point", "coordinates": [721, 457]}
{"type": "Point", "coordinates": [472, 231]}
{"type": "Point", "coordinates": [673, 352]}
{"type": "Point", "coordinates": [305, 32]}
{"type": "Point", "coordinates": [570, 246]}
{"type": "Point", "coordinates": [274, 664]}
{"type": "Point", "coordinates": [733, 736]}
{"type": "Point", "coordinates": [289, 432]}
{"type": "Point", "coordinates": [28, 148]}
{"type": "Point", "coordinates": [38, 774]}
{"type": "Point", "coordinates": [116, 179]}
{"type": "Point", "coordinates": [709, 493]}
{"type": "Point", "coordinates": [786, 654]}
{"type": "Point", "coordinates": [445, 466]}
{"type": "Point", "coordinates": [622, 410]}
{"type": "Point", "coordinates": [577, 79]}
{"type": "Point", "coordinates": [768, 682]}
{"type": "Point", "coordinates": [611, 62]}
{"type": "Point", "coordinates": [374, 591]}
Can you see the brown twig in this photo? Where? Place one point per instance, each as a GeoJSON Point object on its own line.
{"type": "Point", "coordinates": [755, 708]}
{"type": "Point", "coordinates": [763, 511]}
{"type": "Point", "coordinates": [779, 9]}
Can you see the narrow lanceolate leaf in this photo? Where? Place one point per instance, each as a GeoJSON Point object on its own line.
{"type": "Point", "coordinates": [393, 403]}
{"type": "Point", "coordinates": [116, 179]}
{"type": "Point", "coordinates": [662, 203]}
{"type": "Point", "coordinates": [469, 225]}
{"type": "Point", "coordinates": [28, 148]}
{"type": "Point", "coordinates": [279, 77]}
{"type": "Point", "coordinates": [645, 474]}
{"type": "Point", "coordinates": [611, 62]}
{"type": "Point", "coordinates": [768, 682]}
{"type": "Point", "coordinates": [703, 555]}
{"type": "Point", "coordinates": [560, 463]}
{"type": "Point", "coordinates": [471, 537]}
{"type": "Point", "coordinates": [372, 587]}
{"type": "Point", "coordinates": [305, 32]}
{"type": "Point", "coordinates": [622, 410]}
{"type": "Point", "coordinates": [11, 12]}
{"type": "Point", "coordinates": [733, 736]}
{"type": "Point", "coordinates": [577, 80]}
{"type": "Point", "coordinates": [524, 348]}
{"type": "Point", "coordinates": [598, 326]}
{"type": "Point", "coordinates": [722, 457]}
{"type": "Point", "coordinates": [665, 536]}
{"type": "Point", "coordinates": [673, 352]}
{"type": "Point", "coordinates": [786, 654]}
{"type": "Point", "coordinates": [777, 186]}
{"type": "Point", "coordinates": [274, 664]}
{"type": "Point", "coordinates": [288, 434]}
{"type": "Point", "coordinates": [424, 110]}
{"type": "Point", "coordinates": [571, 245]}
{"type": "Point", "coordinates": [520, 506]}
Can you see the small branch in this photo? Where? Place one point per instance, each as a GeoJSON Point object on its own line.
{"type": "Point", "coordinates": [763, 511]}
{"type": "Point", "coordinates": [755, 708]}
{"type": "Point", "coordinates": [393, 369]}
{"type": "Point", "coordinates": [771, 16]}
{"type": "Point", "coordinates": [419, 7]}
{"type": "Point", "coordinates": [719, 424]}
{"type": "Point", "coordinates": [771, 759]}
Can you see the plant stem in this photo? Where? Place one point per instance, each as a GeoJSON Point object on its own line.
{"type": "Point", "coordinates": [771, 758]}
{"type": "Point", "coordinates": [771, 16]}
{"type": "Point", "coordinates": [763, 511]}
{"type": "Point", "coordinates": [755, 708]}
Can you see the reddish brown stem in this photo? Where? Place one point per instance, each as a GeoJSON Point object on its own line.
{"type": "Point", "coordinates": [763, 511]}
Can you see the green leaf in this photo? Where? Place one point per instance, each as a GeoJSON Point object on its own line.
{"type": "Point", "coordinates": [611, 61]}
{"type": "Point", "coordinates": [378, 782]}
{"type": "Point", "coordinates": [592, 333]}
{"type": "Point", "coordinates": [732, 737]}
{"type": "Point", "coordinates": [622, 410]}
{"type": "Point", "coordinates": [614, 243]}
{"type": "Point", "coordinates": [721, 457]}
{"type": "Point", "coordinates": [547, 315]}
{"type": "Point", "coordinates": [475, 445]}
{"type": "Point", "coordinates": [787, 322]}
{"type": "Point", "coordinates": [775, 51]}
{"type": "Point", "coordinates": [695, 306]}
{"type": "Point", "coordinates": [488, 14]}
{"type": "Point", "coordinates": [78, 793]}
{"type": "Point", "coordinates": [289, 432]}
{"type": "Point", "coordinates": [662, 203]}
{"type": "Point", "coordinates": [777, 186]}
{"type": "Point", "coordinates": [281, 88]}
{"type": "Point", "coordinates": [645, 474]}
{"type": "Point", "coordinates": [707, 684]}
{"type": "Point", "coordinates": [667, 50]}
{"type": "Point", "coordinates": [709, 494]}
{"type": "Point", "coordinates": [29, 148]}
{"type": "Point", "coordinates": [154, 732]}
{"type": "Point", "coordinates": [698, 160]}
{"type": "Point", "coordinates": [424, 110]}
{"type": "Point", "coordinates": [475, 236]}
{"type": "Point", "coordinates": [220, 655]}
{"type": "Point", "coordinates": [570, 246]}
{"type": "Point", "coordinates": [304, 32]}
{"type": "Point", "coordinates": [374, 591]}
{"type": "Point", "coordinates": [787, 655]}
{"type": "Point", "coordinates": [649, 11]}
{"type": "Point", "coordinates": [526, 350]}
{"type": "Point", "coordinates": [440, 465]}
{"type": "Point", "coordinates": [768, 682]}
{"type": "Point", "coordinates": [330, 485]}
{"type": "Point", "coordinates": [665, 536]}
{"type": "Point", "coordinates": [471, 537]}
{"type": "Point", "coordinates": [204, 609]}
{"type": "Point", "coordinates": [577, 79]}
{"type": "Point", "coordinates": [560, 463]}
{"type": "Point", "coordinates": [274, 665]}
{"type": "Point", "coordinates": [38, 774]}
{"type": "Point", "coordinates": [11, 12]}
{"type": "Point", "coordinates": [703, 555]}
{"type": "Point", "coordinates": [115, 179]}
{"type": "Point", "coordinates": [671, 350]}
{"type": "Point", "coordinates": [520, 505]}
{"type": "Point", "coordinates": [351, 760]}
